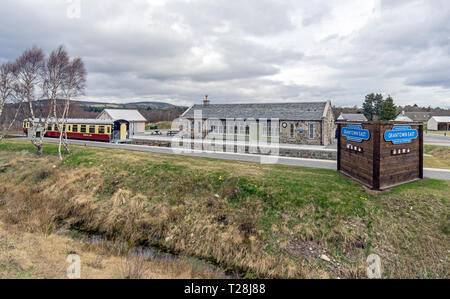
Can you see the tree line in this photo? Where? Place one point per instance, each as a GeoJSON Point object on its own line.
{"type": "Point", "coordinates": [32, 77]}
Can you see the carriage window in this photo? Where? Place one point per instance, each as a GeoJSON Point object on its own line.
{"type": "Point", "coordinates": [108, 130]}
{"type": "Point", "coordinates": [92, 129]}
{"type": "Point", "coordinates": [101, 129]}
{"type": "Point", "coordinates": [75, 128]}
{"type": "Point", "coordinates": [83, 129]}
{"type": "Point", "coordinates": [64, 128]}
{"type": "Point", "coordinates": [49, 127]}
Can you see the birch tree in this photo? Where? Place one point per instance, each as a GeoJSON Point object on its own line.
{"type": "Point", "coordinates": [8, 89]}
{"type": "Point", "coordinates": [56, 72]}
{"type": "Point", "coordinates": [74, 85]}
{"type": "Point", "coordinates": [30, 80]}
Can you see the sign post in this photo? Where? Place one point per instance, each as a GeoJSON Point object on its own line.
{"type": "Point", "coordinates": [381, 155]}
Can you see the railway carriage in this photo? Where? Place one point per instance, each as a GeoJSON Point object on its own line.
{"type": "Point", "coordinates": [87, 129]}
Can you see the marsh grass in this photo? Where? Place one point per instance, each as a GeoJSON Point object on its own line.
{"type": "Point", "coordinates": [258, 219]}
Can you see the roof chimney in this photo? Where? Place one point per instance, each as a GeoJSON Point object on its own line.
{"type": "Point", "coordinates": [206, 101]}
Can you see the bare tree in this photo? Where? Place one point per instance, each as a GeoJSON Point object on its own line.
{"type": "Point", "coordinates": [54, 78]}
{"type": "Point", "coordinates": [30, 78]}
{"type": "Point", "coordinates": [56, 72]}
{"type": "Point", "coordinates": [8, 89]}
{"type": "Point", "coordinates": [74, 85]}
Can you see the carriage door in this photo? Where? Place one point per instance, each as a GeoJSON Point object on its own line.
{"type": "Point", "coordinates": [123, 131]}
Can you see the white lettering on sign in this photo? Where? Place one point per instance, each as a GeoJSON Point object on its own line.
{"type": "Point", "coordinates": [401, 135]}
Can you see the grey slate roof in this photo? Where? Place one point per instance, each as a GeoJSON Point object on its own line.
{"type": "Point", "coordinates": [282, 111]}
{"type": "Point", "coordinates": [418, 116]}
{"type": "Point", "coordinates": [352, 117]}
{"type": "Point", "coordinates": [126, 114]}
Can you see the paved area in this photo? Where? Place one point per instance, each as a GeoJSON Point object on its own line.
{"type": "Point", "coordinates": [431, 139]}
{"type": "Point", "coordinates": [433, 173]}
{"type": "Point", "coordinates": [149, 136]}
{"type": "Point", "coordinates": [434, 139]}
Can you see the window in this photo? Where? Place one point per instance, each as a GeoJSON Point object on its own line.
{"type": "Point", "coordinates": [75, 128]}
{"type": "Point", "coordinates": [101, 129]}
{"type": "Point", "coordinates": [311, 131]}
{"type": "Point", "coordinates": [292, 131]}
{"type": "Point", "coordinates": [64, 128]}
{"type": "Point", "coordinates": [83, 129]}
{"type": "Point", "coordinates": [108, 130]}
{"type": "Point", "coordinates": [92, 129]}
{"type": "Point", "coordinates": [269, 130]}
{"type": "Point", "coordinates": [49, 127]}
{"type": "Point", "coordinates": [247, 130]}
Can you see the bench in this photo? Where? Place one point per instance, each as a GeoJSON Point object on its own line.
{"type": "Point", "coordinates": [172, 132]}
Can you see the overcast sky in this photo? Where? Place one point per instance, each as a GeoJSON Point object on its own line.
{"type": "Point", "coordinates": [244, 50]}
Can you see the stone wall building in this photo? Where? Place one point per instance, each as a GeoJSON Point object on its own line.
{"type": "Point", "coordinates": [297, 123]}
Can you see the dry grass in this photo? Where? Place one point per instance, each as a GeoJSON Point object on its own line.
{"type": "Point", "coordinates": [37, 255]}
{"type": "Point", "coordinates": [440, 156]}
{"type": "Point", "coordinates": [259, 219]}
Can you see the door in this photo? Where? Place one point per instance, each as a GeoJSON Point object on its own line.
{"type": "Point", "coordinates": [123, 131]}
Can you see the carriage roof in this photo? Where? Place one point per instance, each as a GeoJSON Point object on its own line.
{"type": "Point", "coordinates": [88, 121]}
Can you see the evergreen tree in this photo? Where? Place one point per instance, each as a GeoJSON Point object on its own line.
{"type": "Point", "coordinates": [372, 105]}
{"type": "Point", "coordinates": [388, 111]}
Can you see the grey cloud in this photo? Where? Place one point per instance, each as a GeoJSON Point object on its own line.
{"type": "Point", "coordinates": [255, 17]}
{"type": "Point", "coordinates": [239, 50]}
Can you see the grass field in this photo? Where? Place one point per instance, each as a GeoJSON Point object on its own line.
{"type": "Point", "coordinates": [263, 220]}
{"type": "Point", "coordinates": [440, 156]}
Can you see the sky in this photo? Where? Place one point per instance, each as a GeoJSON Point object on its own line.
{"type": "Point", "coordinates": [239, 51]}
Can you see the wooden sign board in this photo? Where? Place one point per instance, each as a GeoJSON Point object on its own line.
{"type": "Point", "coordinates": [380, 155]}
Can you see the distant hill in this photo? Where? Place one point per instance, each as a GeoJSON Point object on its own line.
{"type": "Point", "coordinates": [152, 111]}
{"type": "Point", "coordinates": [134, 105]}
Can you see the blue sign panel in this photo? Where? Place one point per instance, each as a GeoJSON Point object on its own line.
{"type": "Point", "coordinates": [355, 133]}
{"type": "Point", "coordinates": [300, 130]}
{"type": "Point", "coordinates": [401, 134]}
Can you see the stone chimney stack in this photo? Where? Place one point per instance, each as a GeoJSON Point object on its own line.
{"type": "Point", "coordinates": [206, 101]}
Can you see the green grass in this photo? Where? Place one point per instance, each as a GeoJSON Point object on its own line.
{"type": "Point", "coordinates": [247, 216]}
{"type": "Point", "coordinates": [440, 156]}
{"type": "Point", "coordinates": [161, 125]}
